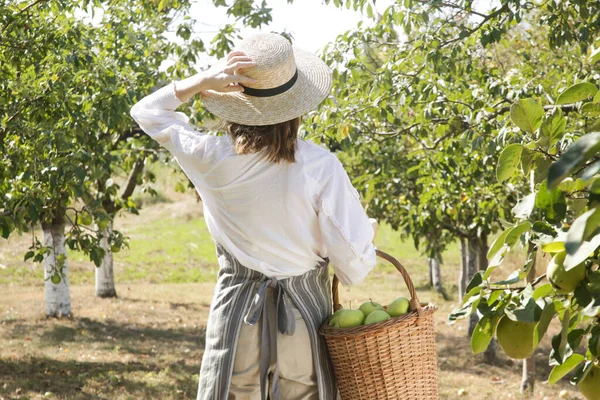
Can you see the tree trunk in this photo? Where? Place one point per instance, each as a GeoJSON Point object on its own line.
{"type": "Point", "coordinates": [463, 279]}
{"type": "Point", "coordinates": [528, 377]}
{"type": "Point", "coordinates": [472, 261]}
{"type": "Point", "coordinates": [430, 263]}
{"type": "Point", "coordinates": [489, 355]}
{"type": "Point", "coordinates": [436, 276]}
{"type": "Point", "coordinates": [105, 280]}
{"type": "Point", "coordinates": [482, 249]}
{"type": "Point", "coordinates": [57, 295]}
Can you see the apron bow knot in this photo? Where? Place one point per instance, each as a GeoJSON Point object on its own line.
{"type": "Point", "coordinates": [281, 309]}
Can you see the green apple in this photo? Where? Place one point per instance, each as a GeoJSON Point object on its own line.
{"type": "Point", "coordinates": [55, 278]}
{"type": "Point", "coordinates": [84, 218]}
{"type": "Point", "coordinates": [350, 318]}
{"type": "Point", "coordinates": [590, 385]}
{"type": "Point", "coordinates": [102, 223]}
{"type": "Point", "coordinates": [334, 322]}
{"type": "Point", "coordinates": [563, 281]}
{"type": "Point", "coordinates": [377, 316]}
{"type": "Point", "coordinates": [516, 338]}
{"type": "Point", "coordinates": [370, 306]}
{"type": "Point", "coordinates": [398, 307]}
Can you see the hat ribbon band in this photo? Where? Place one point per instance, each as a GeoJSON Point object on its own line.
{"type": "Point", "coordinates": [271, 91]}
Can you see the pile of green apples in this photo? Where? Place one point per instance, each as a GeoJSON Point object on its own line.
{"type": "Point", "coordinates": [368, 313]}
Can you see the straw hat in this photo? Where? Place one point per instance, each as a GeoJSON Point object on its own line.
{"type": "Point", "coordinates": [289, 83]}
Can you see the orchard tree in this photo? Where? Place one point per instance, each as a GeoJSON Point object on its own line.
{"type": "Point", "coordinates": [67, 86]}
{"type": "Point", "coordinates": [560, 220]}
{"type": "Point", "coordinates": [421, 101]}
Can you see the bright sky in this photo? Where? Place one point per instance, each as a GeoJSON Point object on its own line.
{"type": "Point", "coordinates": [311, 23]}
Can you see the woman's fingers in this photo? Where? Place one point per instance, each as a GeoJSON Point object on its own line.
{"type": "Point", "coordinates": [232, 88]}
{"type": "Point", "coordinates": [238, 65]}
{"type": "Point", "coordinates": [234, 53]}
{"type": "Point", "coordinates": [235, 59]}
{"type": "Point", "coordinates": [241, 79]}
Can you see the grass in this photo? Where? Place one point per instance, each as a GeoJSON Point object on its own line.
{"type": "Point", "coordinates": [148, 342]}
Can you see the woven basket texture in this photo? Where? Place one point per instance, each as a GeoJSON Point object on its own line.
{"type": "Point", "coordinates": [390, 360]}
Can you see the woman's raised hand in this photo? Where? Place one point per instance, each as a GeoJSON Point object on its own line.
{"type": "Point", "coordinates": [225, 76]}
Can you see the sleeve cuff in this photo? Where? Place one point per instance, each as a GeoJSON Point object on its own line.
{"type": "Point", "coordinates": [165, 98]}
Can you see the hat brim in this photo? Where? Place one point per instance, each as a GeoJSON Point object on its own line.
{"type": "Point", "coordinates": [311, 88]}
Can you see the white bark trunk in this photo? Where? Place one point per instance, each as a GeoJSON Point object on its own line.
{"type": "Point", "coordinates": [528, 377]}
{"type": "Point", "coordinates": [105, 280]}
{"type": "Point", "coordinates": [489, 355]}
{"type": "Point", "coordinates": [436, 276]}
{"type": "Point", "coordinates": [430, 263]}
{"type": "Point", "coordinates": [463, 279]}
{"type": "Point", "coordinates": [57, 295]}
{"type": "Point", "coordinates": [471, 271]}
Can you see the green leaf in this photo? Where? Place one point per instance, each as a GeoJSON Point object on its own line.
{"type": "Point", "coordinates": [513, 236]}
{"type": "Point", "coordinates": [548, 313]}
{"type": "Point", "coordinates": [514, 277]}
{"type": "Point", "coordinates": [28, 255]}
{"type": "Point", "coordinates": [528, 312]}
{"type": "Point", "coordinates": [498, 243]}
{"type": "Point", "coordinates": [508, 163]}
{"type": "Point", "coordinates": [585, 250]}
{"type": "Point", "coordinates": [577, 92]}
{"type": "Point", "coordinates": [559, 371]}
{"type": "Point", "coordinates": [594, 341]}
{"type": "Point", "coordinates": [527, 114]}
{"type": "Point", "coordinates": [594, 282]}
{"type": "Point", "coordinates": [578, 153]}
{"type": "Point", "coordinates": [595, 55]}
{"type": "Point", "coordinates": [560, 349]}
{"type": "Point", "coordinates": [483, 333]}
{"type": "Point", "coordinates": [475, 281]}
{"type": "Point", "coordinates": [553, 126]}
{"type": "Point", "coordinates": [581, 229]}
{"type": "Point", "coordinates": [581, 371]}
{"type": "Point", "coordinates": [552, 202]}
{"type": "Point", "coordinates": [524, 207]}
{"type": "Point", "coordinates": [554, 247]}
{"type": "Point", "coordinates": [543, 291]}
{"type": "Point", "coordinates": [567, 185]}
{"type": "Point", "coordinates": [465, 310]}
{"type": "Point", "coordinates": [590, 171]}
{"type": "Point", "coordinates": [591, 109]}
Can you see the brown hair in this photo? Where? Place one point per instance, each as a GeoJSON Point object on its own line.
{"type": "Point", "coordinates": [277, 142]}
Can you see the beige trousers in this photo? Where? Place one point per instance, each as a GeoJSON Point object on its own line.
{"type": "Point", "coordinates": [296, 370]}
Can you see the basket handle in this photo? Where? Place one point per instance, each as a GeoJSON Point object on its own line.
{"type": "Point", "coordinates": [414, 300]}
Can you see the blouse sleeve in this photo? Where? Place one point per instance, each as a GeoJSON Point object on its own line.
{"type": "Point", "coordinates": [345, 227]}
{"type": "Point", "coordinates": [156, 116]}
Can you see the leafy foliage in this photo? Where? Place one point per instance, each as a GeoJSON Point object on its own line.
{"type": "Point", "coordinates": [458, 122]}
{"type": "Point", "coordinates": [69, 73]}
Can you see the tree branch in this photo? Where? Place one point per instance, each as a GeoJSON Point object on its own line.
{"type": "Point", "coordinates": [485, 20]}
{"type": "Point", "coordinates": [138, 167]}
{"type": "Point", "coordinates": [35, 3]}
{"type": "Point", "coordinates": [455, 6]}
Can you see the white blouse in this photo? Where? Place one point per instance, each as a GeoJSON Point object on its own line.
{"type": "Point", "coordinates": [278, 219]}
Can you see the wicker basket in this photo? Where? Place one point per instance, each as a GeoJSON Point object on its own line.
{"type": "Point", "coordinates": [394, 359]}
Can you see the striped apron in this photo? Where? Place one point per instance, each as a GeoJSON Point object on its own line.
{"type": "Point", "coordinates": [240, 296]}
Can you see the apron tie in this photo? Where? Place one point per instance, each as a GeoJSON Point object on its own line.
{"type": "Point", "coordinates": [281, 309]}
